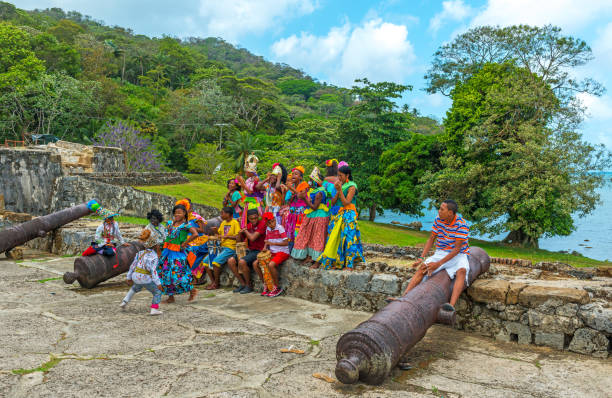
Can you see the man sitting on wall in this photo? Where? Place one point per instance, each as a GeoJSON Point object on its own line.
{"type": "Point", "coordinates": [450, 233]}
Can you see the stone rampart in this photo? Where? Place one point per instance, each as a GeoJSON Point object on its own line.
{"type": "Point", "coordinates": [27, 177]}
{"type": "Point", "coordinates": [71, 190]}
{"type": "Point", "coordinates": [136, 179]}
{"type": "Point", "coordinates": [108, 160]}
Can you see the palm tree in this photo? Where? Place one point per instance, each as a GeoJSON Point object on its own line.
{"type": "Point", "coordinates": [240, 146]}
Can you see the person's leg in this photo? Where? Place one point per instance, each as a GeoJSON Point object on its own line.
{"type": "Point", "coordinates": [459, 285]}
{"type": "Point", "coordinates": [156, 298]}
{"type": "Point", "coordinates": [231, 263]}
{"type": "Point", "coordinates": [273, 272]}
{"type": "Point", "coordinates": [245, 272]}
{"type": "Point", "coordinates": [211, 277]}
{"type": "Point", "coordinates": [416, 278]}
{"type": "Point", "coordinates": [258, 270]}
{"type": "Point", "coordinates": [133, 290]}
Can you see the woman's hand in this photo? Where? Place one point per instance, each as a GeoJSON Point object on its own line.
{"type": "Point", "coordinates": [338, 185]}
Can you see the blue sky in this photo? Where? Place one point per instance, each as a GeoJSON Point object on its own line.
{"type": "Point", "coordinates": [337, 41]}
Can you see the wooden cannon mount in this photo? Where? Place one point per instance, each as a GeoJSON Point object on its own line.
{"type": "Point", "coordinates": [371, 350]}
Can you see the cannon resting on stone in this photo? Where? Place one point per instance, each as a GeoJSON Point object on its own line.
{"type": "Point", "coordinates": [371, 350]}
{"type": "Point", "coordinates": [39, 226]}
{"type": "Point", "coordinates": [89, 271]}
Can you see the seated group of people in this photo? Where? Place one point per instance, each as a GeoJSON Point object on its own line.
{"type": "Point", "coordinates": [179, 253]}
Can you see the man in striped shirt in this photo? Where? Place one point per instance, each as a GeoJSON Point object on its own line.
{"type": "Point", "coordinates": [450, 233]}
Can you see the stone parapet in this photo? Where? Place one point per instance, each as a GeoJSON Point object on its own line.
{"type": "Point", "coordinates": [136, 179]}
{"type": "Point", "coordinates": [71, 190]}
{"type": "Point", "coordinates": [553, 316]}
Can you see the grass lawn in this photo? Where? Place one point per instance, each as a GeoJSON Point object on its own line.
{"type": "Point", "coordinates": [211, 194]}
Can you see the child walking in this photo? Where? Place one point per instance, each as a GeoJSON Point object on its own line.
{"type": "Point", "coordinates": [143, 274]}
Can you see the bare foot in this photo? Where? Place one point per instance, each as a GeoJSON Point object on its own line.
{"type": "Point", "coordinates": [314, 266]}
{"type": "Point", "coordinates": [169, 300]}
{"type": "Point", "coordinates": [192, 294]}
{"type": "Point", "coordinates": [212, 286]}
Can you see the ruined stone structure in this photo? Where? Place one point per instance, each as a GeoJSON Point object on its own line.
{"type": "Point", "coordinates": [43, 179]}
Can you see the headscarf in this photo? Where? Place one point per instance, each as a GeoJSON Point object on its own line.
{"type": "Point", "coordinates": [330, 162]}
{"type": "Point", "coordinates": [267, 216]}
{"type": "Point", "coordinates": [300, 169]}
{"type": "Point", "coordinates": [342, 163]}
{"type": "Point", "coordinates": [183, 202]}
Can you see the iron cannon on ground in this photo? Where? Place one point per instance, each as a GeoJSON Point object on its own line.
{"type": "Point", "coordinates": [39, 226]}
{"type": "Point", "coordinates": [369, 352]}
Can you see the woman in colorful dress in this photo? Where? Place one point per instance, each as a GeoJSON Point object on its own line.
{"type": "Point", "coordinates": [331, 179]}
{"type": "Point", "coordinates": [234, 198]}
{"type": "Point", "coordinates": [310, 241]}
{"type": "Point", "coordinates": [273, 193]}
{"type": "Point", "coordinates": [297, 204]}
{"type": "Point", "coordinates": [343, 246]}
{"type": "Point", "coordinates": [173, 269]}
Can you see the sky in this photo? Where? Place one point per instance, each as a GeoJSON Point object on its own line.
{"type": "Point", "coordinates": [338, 41]}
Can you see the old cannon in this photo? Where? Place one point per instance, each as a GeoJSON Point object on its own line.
{"type": "Point", "coordinates": [91, 270]}
{"type": "Point", "coordinates": [371, 350]}
{"type": "Point", "coordinates": [39, 226]}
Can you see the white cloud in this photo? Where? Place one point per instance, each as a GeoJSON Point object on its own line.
{"type": "Point", "coordinates": [453, 10]}
{"type": "Point", "coordinates": [232, 19]}
{"type": "Point", "coordinates": [375, 49]}
{"type": "Point", "coordinates": [599, 108]}
{"type": "Point", "coordinates": [568, 14]}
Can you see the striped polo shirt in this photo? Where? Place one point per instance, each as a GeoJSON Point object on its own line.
{"type": "Point", "coordinates": [447, 234]}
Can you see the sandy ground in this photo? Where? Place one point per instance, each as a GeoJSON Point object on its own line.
{"type": "Point", "coordinates": [63, 341]}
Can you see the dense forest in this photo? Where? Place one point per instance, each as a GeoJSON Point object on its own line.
{"type": "Point", "coordinates": [194, 104]}
{"type": "Point", "coordinates": [76, 74]}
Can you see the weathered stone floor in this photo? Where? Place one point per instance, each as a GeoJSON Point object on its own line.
{"type": "Point", "coordinates": [80, 344]}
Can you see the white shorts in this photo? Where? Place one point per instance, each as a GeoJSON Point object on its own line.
{"type": "Point", "coordinates": [451, 266]}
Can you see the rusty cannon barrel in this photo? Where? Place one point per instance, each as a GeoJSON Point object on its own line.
{"type": "Point", "coordinates": [39, 226]}
{"type": "Point", "coordinates": [92, 270]}
{"type": "Point", "coordinates": [373, 348]}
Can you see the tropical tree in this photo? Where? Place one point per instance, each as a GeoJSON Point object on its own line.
{"type": "Point", "coordinates": [509, 167]}
{"type": "Point", "coordinates": [18, 63]}
{"type": "Point", "coordinates": [402, 168]}
{"type": "Point", "coordinates": [240, 147]}
{"type": "Point", "coordinates": [140, 153]}
{"type": "Point", "coordinates": [373, 125]}
{"type": "Point", "coordinates": [204, 159]}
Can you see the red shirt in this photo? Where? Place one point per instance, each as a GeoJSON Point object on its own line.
{"type": "Point", "coordinates": [257, 244]}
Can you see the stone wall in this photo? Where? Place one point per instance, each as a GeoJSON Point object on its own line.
{"type": "Point", "coordinates": [558, 317]}
{"type": "Point", "coordinates": [72, 190]}
{"type": "Point", "coordinates": [108, 160]}
{"type": "Point", "coordinates": [27, 177]}
{"type": "Point", "coordinates": [136, 179]}
{"type": "Point", "coordinates": [561, 318]}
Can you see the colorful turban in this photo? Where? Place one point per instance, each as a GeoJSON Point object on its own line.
{"type": "Point", "coordinates": [315, 176]}
{"type": "Point", "coordinates": [330, 162]}
{"type": "Point", "coordinates": [300, 169]}
{"type": "Point", "coordinates": [106, 213]}
{"type": "Point", "coordinates": [183, 202]}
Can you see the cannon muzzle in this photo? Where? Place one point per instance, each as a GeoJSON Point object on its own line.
{"type": "Point", "coordinates": [39, 226]}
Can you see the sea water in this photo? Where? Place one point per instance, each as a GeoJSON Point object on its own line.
{"type": "Point", "coordinates": [592, 236]}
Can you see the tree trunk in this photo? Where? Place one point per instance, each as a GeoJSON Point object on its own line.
{"type": "Point", "coordinates": [372, 212]}
{"type": "Point", "coordinates": [520, 238]}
